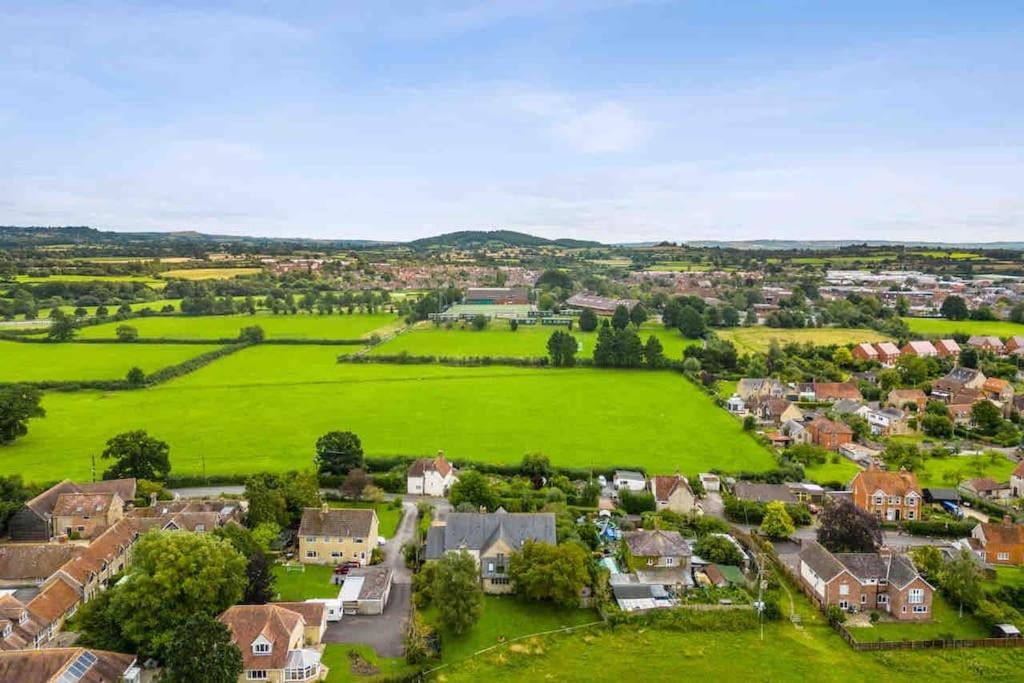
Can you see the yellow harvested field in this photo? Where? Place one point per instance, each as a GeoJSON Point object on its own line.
{"type": "Point", "coordinates": [209, 273]}
{"type": "Point", "coordinates": [758, 339]}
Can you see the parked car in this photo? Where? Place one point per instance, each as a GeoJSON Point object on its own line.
{"type": "Point", "coordinates": [345, 567]}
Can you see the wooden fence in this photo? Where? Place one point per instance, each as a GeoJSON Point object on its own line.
{"type": "Point", "coordinates": [845, 634]}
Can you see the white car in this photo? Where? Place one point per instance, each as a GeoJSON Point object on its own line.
{"type": "Point", "coordinates": [381, 540]}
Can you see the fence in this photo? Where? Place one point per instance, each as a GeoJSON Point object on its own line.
{"type": "Point", "coordinates": [845, 634]}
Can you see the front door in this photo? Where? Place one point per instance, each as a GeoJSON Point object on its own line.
{"type": "Point", "coordinates": [896, 514]}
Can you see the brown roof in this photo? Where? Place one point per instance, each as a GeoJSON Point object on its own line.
{"type": "Point", "coordinates": [438, 464]}
{"type": "Point", "coordinates": [312, 612]}
{"type": "Point", "coordinates": [906, 395]}
{"type": "Point", "coordinates": [43, 666]}
{"type": "Point", "coordinates": [664, 486]}
{"type": "Point", "coordinates": [34, 561]}
{"type": "Point", "coordinates": [985, 484]}
{"type": "Point", "coordinates": [995, 385]}
{"type": "Point", "coordinates": [43, 503]}
{"type": "Point", "coordinates": [836, 390]}
{"type": "Point", "coordinates": [23, 633]}
{"type": "Point", "coordinates": [1018, 471]}
{"type": "Point", "coordinates": [78, 504]}
{"type": "Point", "coordinates": [888, 348]}
{"type": "Point", "coordinates": [1003, 534]}
{"type": "Point", "coordinates": [275, 623]}
{"type": "Point", "coordinates": [191, 521]}
{"type": "Point", "coordinates": [124, 488]}
{"type": "Point", "coordinates": [947, 345]}
{"type": "Point", "coordinates": [343, 522]}
{"type": "Point", "coordinates": [891, 483]}
{"type": "Point", "coordinates": [104, 548]}
{"type": "Point", "coordinates": [56, 598]}
{"type": "Point", "coordinates": [824, 425]}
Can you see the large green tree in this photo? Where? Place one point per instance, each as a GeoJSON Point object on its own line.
{"type": "Point", "coordinates": [777, 524]}
{"type": "Point", "coordinates": [691, 323]}
{"type": "Point", "coordinates": [456, 591]}
{"type": "Point", "coordinates": [541, 571]}
{"type": "Point", "coordinates": [474, 488]}
{"type": "Point", "coordinates": [202, 651]}
{"type": "Point", "coordinates": [960, 579]}
{"type": "Point", "coordinates": [718, 549]}
{"type": "Point", "coordinates": [588, 320]}
{"type": "Point", "coordinates": [62, 327]}
{"type": "Point", "coordinates": [562, 348]}
{"type": "Point", "coordinates": [620, 317]}
{"type": "Point", "coordinates": [137, 454]}
{"type": "Point", "coordinates": [845, 528]}
{"type": "Point", "coordinates": [986, 417]}
{"type": "Point", "coordinates": [18, 404]}
{"type": "Point", "coordinates": [338, 452]}
{"type": "Point", "coordinates": [954, 308]}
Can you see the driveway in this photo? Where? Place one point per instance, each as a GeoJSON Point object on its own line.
{"type": "Point", "coordinates": [385, 632]}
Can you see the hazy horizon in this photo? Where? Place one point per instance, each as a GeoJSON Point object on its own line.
{"type": "Point", "coordinates": [607, 120]}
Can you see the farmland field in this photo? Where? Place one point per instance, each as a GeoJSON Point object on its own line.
{"type": "Point", "coordinates": [209, 273]}
{"type": "Point", "coordinates": [112, 308]}
{"type": "Point", "coordinates": [758, 339]}
{"type": "Point", "coordinates": [263, 408]}
{"type": "Point", "coordinates": [299, 326]}
{"type": "Point", "coordinates": [23, 362]}
{"type": "Point", "coordinates": [38, 279]}
{"type": "Point", "coordinates": [941, 326]}
{"type": "Point", "coordinates": [499, 340]}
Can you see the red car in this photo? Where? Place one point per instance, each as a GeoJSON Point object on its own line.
{"type": "Point", "coordinates": [345, 567]}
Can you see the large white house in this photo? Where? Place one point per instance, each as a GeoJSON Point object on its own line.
{"type": "Point", "coordinates": [428, 477]}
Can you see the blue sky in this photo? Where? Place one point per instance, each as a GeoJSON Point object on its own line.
{"type": "Point", "coordinates": [617, 121]}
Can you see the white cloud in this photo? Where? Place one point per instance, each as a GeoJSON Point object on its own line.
{"type": "Point", "coordinates": [607, 127]}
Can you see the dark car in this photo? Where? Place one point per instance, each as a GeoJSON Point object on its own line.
{"type": "Point", "coordinates": [345, 567]}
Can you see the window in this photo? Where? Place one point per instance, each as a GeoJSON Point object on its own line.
{"type": "Point", "coordinates": [863, 598]}
{"type": "Point", "coordinates": [359, 540]}
{"type": "Point", "coordinates": [1003, 557]}
{"type": "Point", "coordinates": [310, 539]}
{"type": "Point", "coordinates": [844, 589]}
{"type": "Point", "coordinates": [916, 596]}
{"type": "Point", "coordinates": [490, 567]}
{"type": "Point", "coordinates": [23, 617]}
{"type": "Point", "coordinates": [7, 629]}
{"type": "Point", "coordinates": [81, 529]}
{"type": "Point", "coordinates": [910, 514]}
{"type": "Point", "coordinates": [879, 500]}
{"type": "Point", "coordinates": [920, 609]}
{"type": "Point", "coordinates": [256, 674]}
{"type": "Point", "coordinates": [883, 599]}
{"type": "Point", "coordinates": [310, 553]}
{"type": "Point", "coordinates": [844, 604]}
{"type": "Point", "coordinates": [200, 528]}
{"type": "Point", "coordinates": [261, 647]}
{"type": "Point", "coordinates": [670, 561]}
{"type": "Point", "coordinates": [335, 553]}
{"type": "Point", "coordinates": [904, 609]}
{"type": "Point", "coordinates": [500, 582]}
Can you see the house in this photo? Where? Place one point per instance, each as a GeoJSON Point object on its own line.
{"type": "Point", "coordinates": [314, 613]}
{"type": "Point", "coordinates": [1017, 480]}
{"type": "Point", "coordinates": [490, 538]}
{"type": "Point", "coordinates": [673, 493]}
{"type": "Point", "coordinates": [836, 391]}
{"type": "Point", "coordinates": [629, 480]}
{"type": "Point", "coordinates": [19, 628]}
{"type": "Point", "coordinates": [34, 521]}
{"type": "Point", "coordinates": [497, 295]}
{"type": "Point", "coordinates": [658, 557]}
{"type": "Point", "coordinates": [881, 581]}
{"type": "Point", "coordinates": [750, 388]}
{"type": "Point", "coordinates": [898, 398]}
{"type": "Point", "coordinates": [849, 406]}
{"type": "Point", "coordinates": [888, 422]}
{"type": "Point", "coordinates": [30, 564]}
{"type": "Point", "coordinates": [85, 515]}
{"type": "Point", "coordinates": [68, 665]}
{"type": "Point", "coordinates": [430, 477]}
{"type": "Point", "coordinates": [960, 413]}
{"type": "Point", "coordinates": [710, 482]}
{"type": "Point", "coordinates": [988, 488]}
{"type": "Point", "coordinates": [998, 390]}
{"type": "Point", "coordinates": [947, 348]}
{"type": "Point", "coordinates": [762, 493]}
{"type": "Point", "coordinates": [366, 590]}
{"type": "Point", "coordinates": [921, 349]}
{"type": "Point", "coordinates": [957, 380]}
{"type": "Point", "coordinates": [333, 535]}
{"type": "Point", "coordinates": [796, 432]}
{"type": "Point", "coordinates": [1003, 542]}
{"type": "Point", "coordinates": [828, 433]}
{"type": "Point", "coordinates": [890, 496]}
{"type": "Point", "coordinates": [775, 410]}
{"type": "Point", "coordinates": [273, 642]}
{"type": "Point", "coordinates": [865, 351]}
{"type": "Point", "coordinates": [1014, 344]}
{"type": "Point", "coordinates": [57, 602]}
{"type": "Point", "coordinates": [987, 343]}
{"type": "Point", "coordinates": [887, 352]}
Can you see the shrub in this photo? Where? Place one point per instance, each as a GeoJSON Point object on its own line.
{"type": "Point", "coordinates": [636, 503]}
{"type": "Point", "coordinates": [835, 615]}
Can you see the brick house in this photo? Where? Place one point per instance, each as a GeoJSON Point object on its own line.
{"type": "Point", "coordinates": [880, 581]}
{"type": "Point", "coordinates": [1003, 542]}
{"type": "Point", "coordinates": [333, 535]}
{"type": "Point", "coordinates": [898, 398]}
{"type": "Point", "coordinates": [673, 493]}
{"type": "Point", "coordinates": [1014, 344]}
{"type": "Point", "coordinates": [922, 349]}
{"type": "Point", "coordinates": [865, 351]}
{"type": "Point", "coordinates": [947, 348]}
{"type": "Point", "coordinates": [987, 343]}
{"type": "Point", "coordinates": [890, 496]}
{"type": "Point", "coordinates": [828, 433]}
{"type": "Point", "coordinates": [887, 352]}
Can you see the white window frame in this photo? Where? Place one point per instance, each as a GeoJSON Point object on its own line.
{"type": "Point", "coordinates": [920, 609]}
{"type": "Point", "coordinates": [310, 553]}
{"type": "Point", "coordinates": [256, 675]}
{"type": "Point", "coordinates": [1003, 557]}
{"type": "Point", "coordinates": [844, 589]}
{"type": "Point", "coordinates": [262, 648]}
{"type": "Point", "coordinates": [915, 596]}
{"type": "Point", "coordinates": [883, 599]}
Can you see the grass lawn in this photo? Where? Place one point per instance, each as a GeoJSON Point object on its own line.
{"type": "Point", "coordinates": [336, 658]}
{"type": "Point", "coordinates": [25, 362]}
{"type": "Point", "coordinates": [388, 517]}
{"type": "Point", "coordinates": [264, 407]}
{"type": "Point", "coordinates": [314, 582]}
{"type": "Point", "coordinates": [945, 622]}
{"type": "Point", "coordinates": [1007, 576]}
{"type": "Point", "coordinates": [935, 468]}
{"type": "Point", "coordinates": [499, 340]}
{"type": "Point", "coordinates": [209, 273]}
{"type": "Point", "coordinates": [842, 471]}
{"type": "Point", "coordinates": [945, 328]}
{"type": "Point", "coordinates": [758, 339]}
{"type": "Point", "coordinates": [299, 326]}
{"type": "Point", "coordinates": [504, 618]}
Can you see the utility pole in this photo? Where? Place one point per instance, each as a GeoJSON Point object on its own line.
{"type": "Point", "coordinates": [94, 467]}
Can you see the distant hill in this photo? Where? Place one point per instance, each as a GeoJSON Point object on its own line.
{"type": "Point", "coordinates": [828, 245]}
{"type": "Point", "coordinates": [15, 236]}
{"type": "Point", "coordinates": [473, 239]}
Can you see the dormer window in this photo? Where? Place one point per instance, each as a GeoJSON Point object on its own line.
{"type": "Point", "coordinates": [23, 617]}
{"type": "Point", "coordinates": [261, 646]}
{"type": "Point", "coordinates": [7, 629]}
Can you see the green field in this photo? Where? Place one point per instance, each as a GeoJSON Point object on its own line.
{"type": "Point", "coordinates": [313, 582]}
{"type": "Point", "coordinates": [299, 326]}
{"type": "Point", "coordinates": [935, 468]}
{"type": "Point", "coordinates": [209, 273]}
{"type": "Point", "coordinates": [758, 339]}
{"type": "Point", "coordinates": [25, 362]}
{"type": "Point", "coordinates": [264, 407]}
{"type": "Point", "coordinates": [946, 328]}
{"type": "Point", "coordinates": [144, 279]}
{"type": "Point", "coordinates": [505, 618]}
{"type": "Point", "coordinates": [499, 340]}
{"type": "Point", "coordinates": [112, 308]}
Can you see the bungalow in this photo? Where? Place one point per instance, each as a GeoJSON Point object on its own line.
{"type": "Point", "coordinates": [763, 493]}
{"type": "Point", "coordinates": [430, 477]}
{"type": "Point", "coordinates": [865, 582]}
{"type": "Point", "coordinates": [865, 351]}
{"type": "Point", "coordinates": [1002, 542]}
{"type": "Point", "coordinates": [921, 349]}
{"type": "Point", "coordinates": [828, 433]}
{"type": "Point", "coordinates": [849, 406]}
{"type": "Point", "coordinates": [998, 390]}
{"type": "Point", "coordinates": [947, 348]}
{"type": "Point", "coordinates": [987, 343]}
{"type": "Point", "coordinates": [490, 538]}
{"type": "Point", "coordinates": [629, 480]}
{"type": "Point", "coordinates": [67, 665]}
{"type": "Point", "coordinates": [888, 352]}
{"type": "Point", "coordinates": [673, 493]}
{"type": "Point", "coordinates": [658, 557]}
{"type": "Point", "coordinates": [859, 453]}
{"type": "Point", "coordinates": [890, 496]}
{"type": "Point", "coordinates": [988, 488]}
{"type": "Point", "coordinates": [274, 644]}
{"type": "Point", "coordinates": [899, 398]}
{"type": "Point", "coordinates": [366, 590]}
{"type": "Point", "coordinates": [333, 535]}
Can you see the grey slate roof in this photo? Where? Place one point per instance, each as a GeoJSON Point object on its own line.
{"type": "Point", "coordinates": [847, 406]}
{"type": "Point", "coordinates": [763, 493]}
{"type": "Point", "coordinates": [897, 569]}
{"type": "Point", "coordinates": [656, 543]}
{"type": "Point", "coordinates": [820, 560]}
{"type": "Point", "coordinates": [475, 531]}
